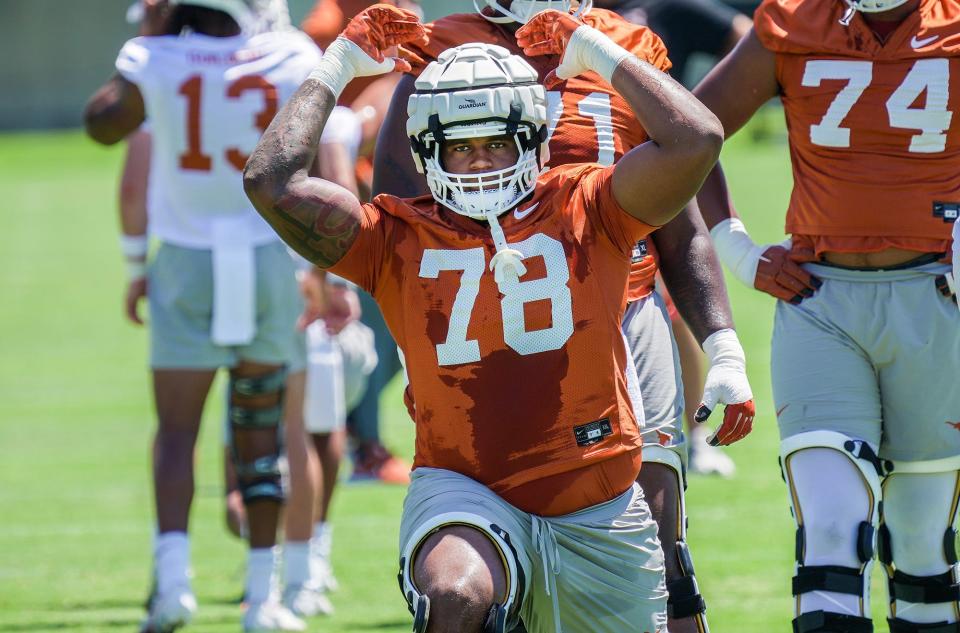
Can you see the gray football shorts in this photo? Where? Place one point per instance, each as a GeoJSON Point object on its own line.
{"type": "Point", "coordinates": [599, 569]}
{"type": "Point", "coordinates": [646, 325]}
{"type": "Point", "coordinates": [180, 296]}
{"type": "Point", "coordinates": [874, 355]}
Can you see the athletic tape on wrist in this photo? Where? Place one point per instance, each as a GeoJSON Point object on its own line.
{"type": "Point", "coordinates": [739, 253]}
{"type": "Point", "coordinates": [134, 246]}
{"type": "Point", "coordinates": [136, 269]}
{"type": "Point", "coordinates": [597, 51]}
{"type": "Point", "coordinates": [335, 69]}
{"type": "Point", "coordinates": [724, 345]}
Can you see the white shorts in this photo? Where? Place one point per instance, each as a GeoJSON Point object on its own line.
{"type": "Point", "coordinates": [600, 569]}
{"type": "Point", "coordinates": [337, 371]}
{"type": "Point", "coordinates": [874, 355]}
{"type": "Point", "coordinates": [646, 325]}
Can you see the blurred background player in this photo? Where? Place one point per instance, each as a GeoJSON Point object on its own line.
{"type": "Point", "coordinates": [340, 357]}
{"type": "Point", "coordinates": [590, 122]}
{"type": "Point", "coordinates": [688, 27]}
{"type": "Point", "coordinates": [866, 336]}
{"type": "Point", "coordinates": [482, 157]}
{"type": "Point", "coordinates": [311, 465]}
{"type": "Point", "coordinates": [209, 84]}
{"type": "Point", "coordinates": [369, 97]}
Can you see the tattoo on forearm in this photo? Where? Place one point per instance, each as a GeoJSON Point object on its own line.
{"type": "Point", "coordinates": [317, 218]}
{"type": "Point", "coordinates": [318, 224]}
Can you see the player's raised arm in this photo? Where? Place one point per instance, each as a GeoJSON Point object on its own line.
{"type": "Point", "coordinates": [654, 180]}
{"type": "Point", "coordinates": [316, 217]}
{"type": "Point", "coordinates": [734, 90]}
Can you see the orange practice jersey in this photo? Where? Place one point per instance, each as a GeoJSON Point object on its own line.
{"type": "Point", "coordinates": [524, 391]}
{"type": "Point", "coordinates": [588, 121]}
{"type": "Point", "coordinates": [874, 137]}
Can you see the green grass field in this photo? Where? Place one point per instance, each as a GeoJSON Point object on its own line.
{"type": "Point", "coordinates": [75, 420]}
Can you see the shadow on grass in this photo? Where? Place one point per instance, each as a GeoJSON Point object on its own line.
{"type": "Point", "coordinates": [102, 605]}
{"type": "Point", "coordinates": [110, 623]}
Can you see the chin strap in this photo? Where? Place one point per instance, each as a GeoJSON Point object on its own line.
{"type": "Point", "coordinates": [506, 263]}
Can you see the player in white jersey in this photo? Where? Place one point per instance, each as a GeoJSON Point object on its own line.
{"type": "Point", "coordinates": [221, 287]}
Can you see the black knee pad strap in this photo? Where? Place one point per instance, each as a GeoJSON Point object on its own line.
{"type": "Point", "coordinates": [260, 480]}
{"type": "Point", "coordinates": [252, 418]}
{"type": "Point", "coordinates": [249, 417]}
{"type": "Point", "coordinates": [263, 490]}
{"type": "Point", "coordinates": [684, 599]}
{"type": "Point", "coordinates": [827, 622]}
{"type": "Point", "coordinates": [848, 580]}
{"type": "Point", "coordinates": [924, 589]}
{"type": "Point", "coordinates": [274, 382]}
{"type": "Point", "coordinates": [902, 626]}
{"type": "Point", "coordinates": [950, 546]}
{"type": "Point", "coordinates": [268, 466]}
{"type": "Point", "coordinates": [496, 621]}
{"type": "Point", "coordinates": [421, 613]}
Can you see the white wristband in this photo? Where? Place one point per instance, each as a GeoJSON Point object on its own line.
{"type": "Point", "coordinates": [134, 246]}
{"type": "Point", "coordinates": [736, 250]}
{"type": "Point", "coordinates": [595, 51]}
{"type": "Point", "coordinates": [724, 346]}
{"type": "Point", "coordinates": [136, 269]}
{"type": "Point", "coordinates": [343, 61]}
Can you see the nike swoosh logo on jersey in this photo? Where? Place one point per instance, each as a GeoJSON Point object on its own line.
{"type": "Point", "coordinates": [517, 213]}
{"type": "Point", "coordinates": [915, 43]}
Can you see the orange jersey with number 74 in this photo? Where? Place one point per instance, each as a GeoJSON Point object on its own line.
{"type": "Point", "coordinates": [874, 132]}
{"type": "Point", "coordinates": [525, 387]}
{"type": "Point", "coordinates": [588, 121]}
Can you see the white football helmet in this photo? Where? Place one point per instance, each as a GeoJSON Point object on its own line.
{"type": "Point", "coordinates": [475, 91]}
{"type": "Point", "coordinates": [271, 15]}
{"type": "Point", "coordinates": [244, 12]}
{"type": "Point", "coordinates": [522, 10]}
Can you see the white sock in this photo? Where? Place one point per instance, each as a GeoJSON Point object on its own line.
{"type": "Point", "coordinates": [322, 541]}
{"type": "Point", "coordinates": [259, 574]}
{"type": "Point", "coordinates": [296, 563]}
{"type": "Point", "coordinates": [171, 556]}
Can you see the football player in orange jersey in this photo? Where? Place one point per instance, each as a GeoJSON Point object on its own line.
{"type": "Point", "coordinates": [518, 507]}
{"type": "Point", "coordinates": [589, 121]}
{"type": "Point", "coordinates": [865, 343]}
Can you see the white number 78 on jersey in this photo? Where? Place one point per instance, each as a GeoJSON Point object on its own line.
{"type": "Point", "coordinates": [457, 349]}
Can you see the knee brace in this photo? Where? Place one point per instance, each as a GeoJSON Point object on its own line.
{"type": "Point", "coordinates": [836, 535]}
{"type": "Point", "coordinates": [684, 599]}
{"type": "Point", "coordinates": [918, 547]}
{"type": "Point", "coordinates": [261, 478]}
{"type": "Point", "coordinates": [419, 604]}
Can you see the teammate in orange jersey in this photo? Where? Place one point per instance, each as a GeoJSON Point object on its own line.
{"type": "Point", "coordinates": [523, 502]}
{"type": "Point", "coordinates": [589, 121]}
{"type": "Point", "coordinates": [866, 347]}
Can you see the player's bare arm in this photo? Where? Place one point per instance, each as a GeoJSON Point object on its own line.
{"type": "Point", "coordinates": [654, 180]}
{"type": "Point", "coordinates": [394, 171]}
{"type": "Point", "coordinates": [692, 273]}
{"type": "Point", "coordinates": [114, 111]}
{"type": "Point", "coordinates": [734, 90]}
{"type": "Point", "coordinates": [316, 217]}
